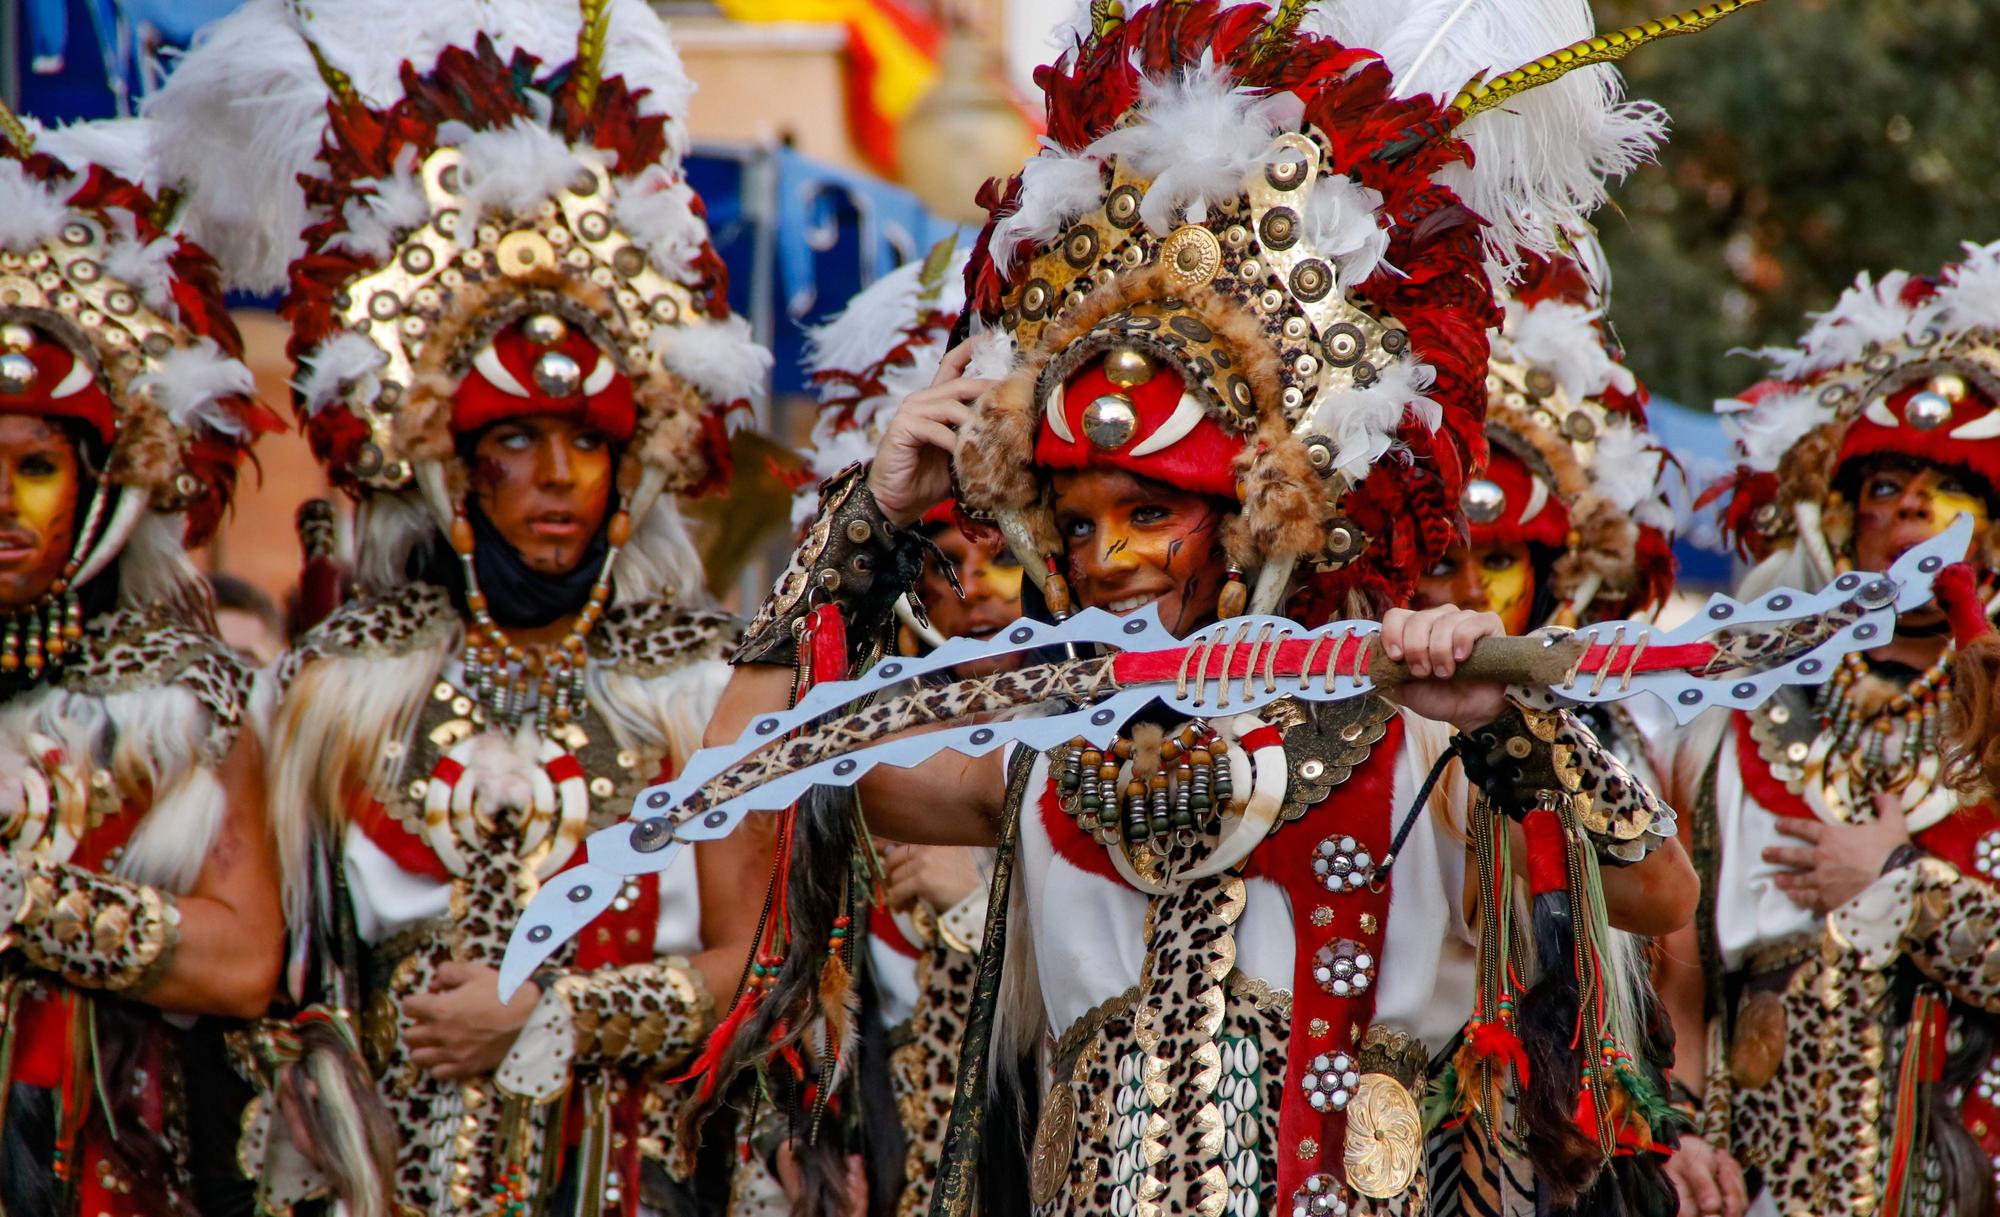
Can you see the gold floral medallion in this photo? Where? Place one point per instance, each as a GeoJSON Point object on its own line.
{"type": "Point", "coordinates": [1385, 1137]}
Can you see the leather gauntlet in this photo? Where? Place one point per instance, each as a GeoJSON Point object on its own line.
{"type": "Point", "coordinates": [851, 557]}
{"type": "Point", "coordinates": [1527, 755]}
{"type": "Point", "coordinates": [645, 1014]}
{"type": "Point", "coordinates": [94, 931]}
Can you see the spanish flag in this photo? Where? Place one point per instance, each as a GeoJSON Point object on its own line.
{"type": "Point", "coordinates": [892, 52]}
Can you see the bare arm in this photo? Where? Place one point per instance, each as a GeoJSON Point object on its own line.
{"type": "Point", "coordinates": [1683, 991]}
{"type": "Point", "coordinates": [947, 800]}
{"type": "Point", "coordinates": [1655, 896]}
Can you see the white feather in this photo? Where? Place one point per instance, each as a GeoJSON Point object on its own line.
{"type": "Point", "coordinates": [30, 212]}
{"type": "Point", "coordinates": [510, 169]}
{"type": "Point", "coordinates": [656, 209]}
{"type": "Point", "coordinates": [1362, 423]}
{"type": "Point", "coordinates": [1342, 221]}
{"type": "Point", "coordinates": [1564, 339]}
{"type": "Point", "coordinates": [860, 334]}
{"type": "Point", "coordinates": [190, 384]}
{"type": "Point", "coordinates": [718, 358]}
{"type": "Point", "coordinates": [1772, 427]}
{"type": "Point", "coordinates": [378, 220]}
{"type": "Point", "coordinates": [1056, 187]}
{"type": "Point", "coordinates": [1626, 470]}
{"type": "Point", "coordinates": [1542, 160]}
{"type": "Point", "coordinates": [125, 146]}
{"type": "Point", "coordinates": [1197, 137]}
{"type": "Point", "coordinates": [154, 567]}
{"type": "Point", "coordinates": [146, 266]}
{"type": "Point", "coordinates": [1969, 298]}
{"type": "Point", "coordinates": [343, 362]}
{"type": "Point", "coordinates": [993, 354]}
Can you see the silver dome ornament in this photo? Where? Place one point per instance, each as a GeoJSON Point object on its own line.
{"type": "Point", "coordinates": [1927, 411]}
{"type": "Point", "coordinates": [545, 329]}
{"type": "Point", "coordinates": [557, 375]}
{"type": "Point", "coordinates": [1110, 421]}
{"type": "Point", "coordinates": [1127, 368]}
{"type": "Point", "coordinates": [17, 373]}
{"type": "Point", "coordinates": [1483, 501]}
{"type": "Point", "coordinates": [16, 337]}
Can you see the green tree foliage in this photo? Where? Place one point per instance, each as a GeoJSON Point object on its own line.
{"type": "Point", "coordinates": [1811, 139]}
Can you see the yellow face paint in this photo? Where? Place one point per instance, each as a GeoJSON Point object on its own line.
{"type": "Point", "coordinates": [1000, 579]}
{"type": "Point", "coordinates": [43, 498]}
{"type": "Point", "coordinates": [1508, 579]}
{"type": "Point", "coordinates": [1948, 503]}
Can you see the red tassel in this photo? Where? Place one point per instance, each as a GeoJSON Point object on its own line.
{"type": "Point", "coordinates": [1958, 594]}
{"type": "Point", "coordinates": [1497, 1040]}
{"type": "Point", "coordinates": [1548, 860]}
{"type": "Point", "coordinates": [826, 637]}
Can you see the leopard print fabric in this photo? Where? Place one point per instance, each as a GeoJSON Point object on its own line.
{"type": "Point", "coordinates": [96, 931]}
{"type": "Point", "coordinates": [135, 649]}
{"type": "Point", "coordinates": [923, 1067]}
{"type": "Point", "coordinates": [411, 618]}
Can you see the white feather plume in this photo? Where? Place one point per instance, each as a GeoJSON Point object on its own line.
{"type": "Point", "coordinates": [718, 358]}
{"type": "Point", "coordinates": [145, 265]}
{"type": "Point", "coordinates": [1197, 137]}
{"type": "Point", "coordinates": [1626, 469]}
{"type": "Point", "coordinates": [1362, 423]}
{"type": "Point", "coordinates": [510, 169]}
{"type": "Point", "coordinates": [861, 334]}
{"type": "Point", "coordinates": [656, 209]}
{"type": "Point", "coordinates": [1542, 160]}
{"type": "Point", "coordinates": [125, 146]}
{"type": "Point", "coordinates": [1341, 220]}
{"type": "Point", "coordinates": [993, 354]}
{"type": "Point", "coordinates": [1969, 298]}
{"type": "Point", "coordinates": [1564, 339]}
{"type": "Point", "coordinates": [30, 212]}
{"type": "Point", "coordinates": [190, 384]}
{"type": "Point", "coordinates": [1056, 187]}
{"type": "Point", "coordinates": [345, 360]}
{"type": "Point", "coordinates": [394, 206]}
{"type": "Point", "coordinates": [1771, 428]}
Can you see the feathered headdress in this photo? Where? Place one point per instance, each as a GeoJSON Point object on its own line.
{"type": "Point", "coordinates": [489, 218]}
{"type": "Point", "coordinates": [1572, 466]}
{"type": "Point", "coordinates": [886, 344]}
{"type": "Point", "coordinates": [1292, 218]}
{"type": "Point", "coordinates": [1899, 365]}
{"type": "Point", "coordinates": [111, 320]}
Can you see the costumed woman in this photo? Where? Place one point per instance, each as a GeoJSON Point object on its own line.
{"type": "Point", "coordinates": [1848, 949]}
{"type": "Point", "coordinates": [923, 933]}
{"type": "Point", "coordinates": [1234, 358]}
{"type": "Point", "coordinates": [139, 891]}
{"type": "Point", "coordinates": [515, 350]}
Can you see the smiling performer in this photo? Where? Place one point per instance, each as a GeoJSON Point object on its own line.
{"type": "Point", "coordinates": [1850, 942]}
{"type": "Point", "coordinates": [136, 876]}
{"type": "Point", "coordinates": [515, 351]}
{"type": "Point", "coordinates": [1235, 358]}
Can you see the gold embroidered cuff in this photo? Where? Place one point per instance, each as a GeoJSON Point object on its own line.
{"type": "Point", "coordinates": [1527, 753]}
{"type": "Point", "coordinates": [96, 931]}
{"type": "Point", "coordinates": [643, 1014]}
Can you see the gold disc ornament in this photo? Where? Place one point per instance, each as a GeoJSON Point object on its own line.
{"type": "Point", "coordinates": [1055, 1141]}
{"type": "Point", "coordinates": [1385, 1137]}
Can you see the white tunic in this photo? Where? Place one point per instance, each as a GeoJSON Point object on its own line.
{"type": "Point", "coordinates": [1088, 930]}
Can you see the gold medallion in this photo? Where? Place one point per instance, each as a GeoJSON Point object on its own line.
{"type": "Point", "coordinates": [1055, 1140]}
{"type": "Point", "coordinates": [1385, 1137]}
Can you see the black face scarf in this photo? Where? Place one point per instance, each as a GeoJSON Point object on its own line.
{"type": "Point", "coordinates": [517, 596]}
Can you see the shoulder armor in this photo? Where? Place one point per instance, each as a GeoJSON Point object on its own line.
{"type": "Point", "coordinates": [653, 638]}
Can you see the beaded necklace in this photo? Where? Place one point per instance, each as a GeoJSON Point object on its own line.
{"type": "Point", "coordinates": [39, 635]}
{"type": "Point", "coordinates": [503, 674]}
{"type": "Point", "coordinates": [1857, 740]}
{"type": "Point", "coordinates": [1172, 805]}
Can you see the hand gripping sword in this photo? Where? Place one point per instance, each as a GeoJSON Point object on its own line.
{"type": "Point", "coordinates": [1732, 654]}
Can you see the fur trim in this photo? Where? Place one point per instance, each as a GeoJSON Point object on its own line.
{"type": "Point", "coordinates": [192, 384]}
{"type": "Point", "coordinates": [423, 425]}
{"type": "Point", "coordinates": [671, 431]}
{"type": "Point", "coordinates": [388, 528]}
{"type": "Point", "coordinates": [146, 455]}
{"type": "Point", "coordinates": [1604, 546]}
{"type": "Point", "coordinates": [1285, 508]}
{"type": "Point", "coordinates": [1196, 137]}
{"type": "Point", "coordinates": [995, 445]}
{"type": "Point", "coordinates": [719, 358]}
{"type": "Point", "coordinates": [30, 212]}
{"type": "Point", "coordinates": [344, 367]}
{"type": "Point", "coordinates": [154, 569]}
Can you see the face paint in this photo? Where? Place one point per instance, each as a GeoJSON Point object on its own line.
{"type": "Point", "coordinates": [1508, 578]}
{"type": "Point", "coordinates": [1132, 541]}
{"type": "Point", "coordinates": [1901, 506]}
{"type": "Point", "coordinates": [992, 582]}
{"type": "Point", "coordinates": [545, 483]}
{"type": "Point", "coordinates": [40, 485]}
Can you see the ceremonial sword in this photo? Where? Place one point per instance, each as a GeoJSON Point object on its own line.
{"type": "Point", "coordinates": [1731, 654]}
